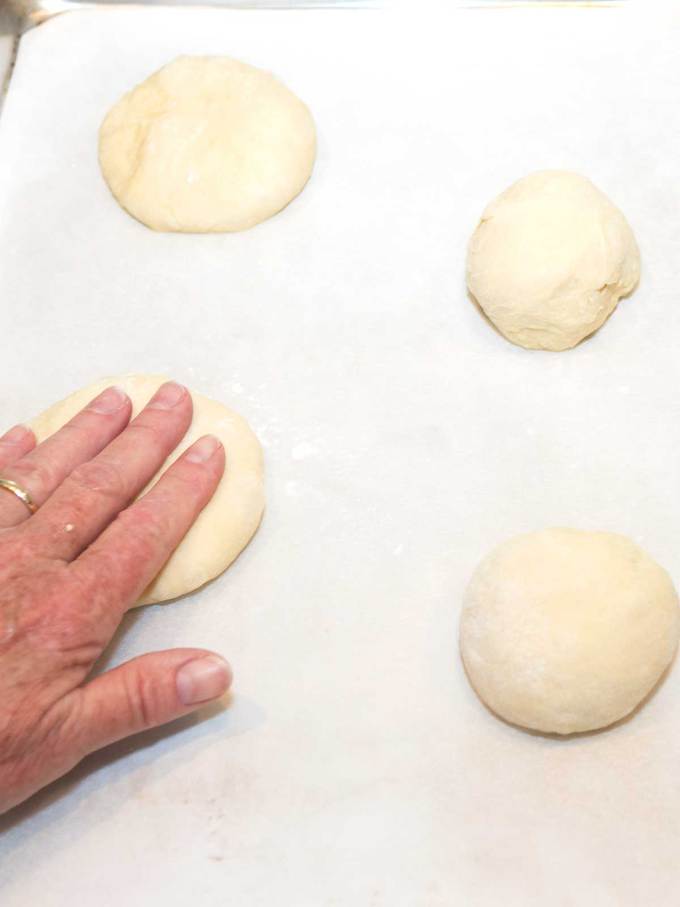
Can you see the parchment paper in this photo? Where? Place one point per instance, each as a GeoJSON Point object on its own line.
{"type": "Point", "coordinates": [354, 766]}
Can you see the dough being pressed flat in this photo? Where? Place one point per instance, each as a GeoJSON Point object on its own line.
{"type": "Point", "coordinates": [564, 630]}
{"type": "Point", "coordinates": [550, 259]}
{"type": "Point", "coordinates": [229, 520]}
{"type": "Point", "coordinates": [207, 145]}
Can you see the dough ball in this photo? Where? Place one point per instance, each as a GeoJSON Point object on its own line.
{"type": "Point", "coordinates": [565, 631]}
{"type": "Point", "coordinates": [207, 145]}
{"type": "Point", "coordinates": [229, 520]}
{"type": "Point", "coordinates": [550, 259]}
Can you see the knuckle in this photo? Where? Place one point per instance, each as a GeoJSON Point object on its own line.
{"type": "Point", "coordinates": [55, 728]}
{"type": "Point", "coordinates": [38, 476]}
{"type": "Point", "coordinates": [99, 577]}
{"type": "Point", "coordinates": [72, 432]}
{"type": "Point", "coordinates": [102, 477]}
{"type": "Point", "coordinates": [76, 434]}
{"type": "Point", "coordinates": [30, 596]}
{"type": "Point", "coordinates": [190, 479]}
{"type": "Point", "coordinates": [147, 431]}
{"type": "Point", "coordinates": [140, 699]}
{"type": "Point", "coordinates": [146, 520]}
{"type": "Point", "coordinates": [145, 529]}
{"type": "Point", "coordinates": [18, 549]}
{"type": "Point", "coordinates": [75, 637]}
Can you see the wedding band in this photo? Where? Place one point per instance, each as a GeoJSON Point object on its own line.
{"type": "Point", "coordinates": [19, 492]}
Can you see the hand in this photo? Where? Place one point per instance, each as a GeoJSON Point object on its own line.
{"type": "Point", "coordinates": [69, 572]}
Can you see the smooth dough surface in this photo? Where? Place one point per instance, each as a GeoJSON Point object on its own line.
{"type": "Point", "coordinates": [564, 630]}
{"type": "Point", "coordinates": [229, 520]}
{"type": "Point", "coordinates": [207, 145]}
{"type": "Point", "coordinates": [550, 259]}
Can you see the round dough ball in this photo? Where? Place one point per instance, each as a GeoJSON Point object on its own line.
{"type": "Point", "coordinates": [565, 631]}
{"type": "Point", "coordinates": [550, 259]}
{"type": "Point", "coordinates": [207, 145]}
{"type": "Point", "coordinates": [233, 514]}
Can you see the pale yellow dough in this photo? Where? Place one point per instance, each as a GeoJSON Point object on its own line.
{"type": "Point", "coordinates": [207, 145]}
{"type": "Point", "coordinates": [564, 630]}
{"type": "Point", "coordinates": [229, 520]}
{"type": "Point", "coordinates": [550, 259]}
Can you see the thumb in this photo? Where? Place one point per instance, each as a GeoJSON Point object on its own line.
{"type": "Point", "coordinates": [146, 692]}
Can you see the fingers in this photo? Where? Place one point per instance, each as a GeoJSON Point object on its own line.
{"type": "Point", "coordinates": [95, 492]}
{"type": "Point", "coordinates": [121, 563]}
{"type": "Point", "coordinates": [41, 470]}
{"type": "Point", "coordinates": [15, 444]}
{"type": "Point", "coordinates": [144, 693]}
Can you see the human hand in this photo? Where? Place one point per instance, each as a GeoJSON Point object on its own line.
{"type": "Point", "coordinates": [70, 571]}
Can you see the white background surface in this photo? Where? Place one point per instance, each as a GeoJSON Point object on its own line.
{"type": "Point", "coordinates": [403, 438]}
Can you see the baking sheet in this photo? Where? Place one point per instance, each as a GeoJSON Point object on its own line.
{"type": "Point", "coordinates": [403, 438]}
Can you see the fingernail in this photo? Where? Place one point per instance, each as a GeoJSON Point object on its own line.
{"type": "Point", "coordinates": [109, 400]}
{"type": "Point", "coordinates": [203, 449]}
{"type": "Point", "coordinates": [202, 679]}
{"type": "Point", "coordinates": [16, 435]}
{"type": "Point", "coordinates": [168, 395]}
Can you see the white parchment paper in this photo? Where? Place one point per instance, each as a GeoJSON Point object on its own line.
{"type": "Point", "coordinates": [354, 766]}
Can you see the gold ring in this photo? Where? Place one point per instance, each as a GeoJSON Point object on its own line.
{"type": "Point", "coordinates": [19, 492]}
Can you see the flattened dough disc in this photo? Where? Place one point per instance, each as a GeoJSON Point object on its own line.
{"type": "Point", "coordinates": [207, 145]}
{"type": "Point", "coordinates": [228, 521]}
